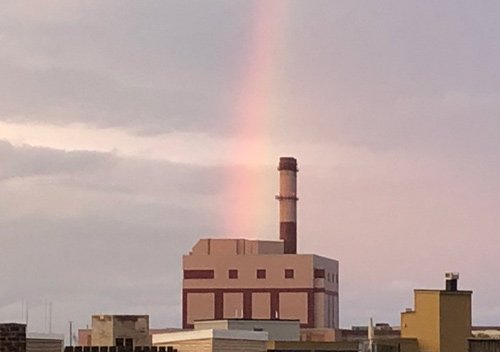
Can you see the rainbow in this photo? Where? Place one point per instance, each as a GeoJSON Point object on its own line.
{"type": "Point", "coordinates": [253, 110]}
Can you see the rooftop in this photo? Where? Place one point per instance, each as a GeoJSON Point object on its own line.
{"type": "Point", "coordinates": [236, 246]}
{"type": "Point", "coordinates": [159, 339]}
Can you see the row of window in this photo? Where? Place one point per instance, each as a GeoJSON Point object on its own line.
{"type": "Point", "coordinates": [124, 342]}
{"type": "Point", "coordinates": [231, 274]}
{"type": "Point", "coordinates": [259, 274]}
{"type": "Point", "coordinates": [330, 277]}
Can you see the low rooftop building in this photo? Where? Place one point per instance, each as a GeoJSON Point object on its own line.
{"type": "Point", "coordinates": [214, 340]}
{"type": "Point", "coordinates": [42, 342]}
{"type": "Point", "coordinates": [278, 330]}
{"type": "Point", "coordinates": [120, 330]}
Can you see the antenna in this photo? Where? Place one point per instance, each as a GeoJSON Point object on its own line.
{"type": "Point", "coordinates": [70, 333]}
{"type": "Point", "coordinates": [50, 317]}
{"type": "Point", "coordinates": [27, 315]}
{"type": "Point", "coordinates": [45, 315]}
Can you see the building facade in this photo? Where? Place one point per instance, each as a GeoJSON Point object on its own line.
{"type": "Point", "coordinates": [120, 330]}
{"type": "Point", "coordinates": [237, 278]}
{"type": "Point", "coordinates": [214, 340]}
{"type": "Point", "coordinates": [44, 342]}
{"type": "Point", "coordinates": [441, 319]}
{"type": "Point", "coordinates": [277, 330]}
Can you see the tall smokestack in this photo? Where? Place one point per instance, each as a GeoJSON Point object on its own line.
{"type": "Point", "coordinates": [288, 203]}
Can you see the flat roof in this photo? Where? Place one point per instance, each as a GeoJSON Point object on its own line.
{"type": "Point", "coordinates": [243, 319]}
{"type": "Point", "coordinates": [44, 336]}
{"type": "Point", "coordinates": [486, 327]}
{"type": "Point", "coordinates": [210, 334]}
{"type": "Point", "coordinates": [442, 291]}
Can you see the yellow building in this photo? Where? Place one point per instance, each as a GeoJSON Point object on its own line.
{"type": "Point", "coordinates": [441, 319]}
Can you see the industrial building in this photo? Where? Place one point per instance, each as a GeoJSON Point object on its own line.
{"type": "Point", "coordinates": [239, 278]}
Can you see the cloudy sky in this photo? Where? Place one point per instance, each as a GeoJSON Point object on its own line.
{"type": "Point", "coordinates": [130, 129]}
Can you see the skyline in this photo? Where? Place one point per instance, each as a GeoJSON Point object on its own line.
{"type": "Point", "coordinates": [128, 127]}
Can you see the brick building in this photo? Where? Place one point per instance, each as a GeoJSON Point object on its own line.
{"type": "Point", "coordinates": [12, 337]}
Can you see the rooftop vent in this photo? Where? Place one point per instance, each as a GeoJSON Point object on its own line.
{"type": "Point", "coordinates": [451, 281]}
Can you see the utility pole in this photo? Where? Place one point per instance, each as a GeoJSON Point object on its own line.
{"type": "Point", "coordinates": [27, 314]}
{"type": "Point", "coordinates": [50, 317]}
{"type": "Point", "coordinates": [70, 333]}
{"type": "Point", "coordinates": [371, 335]}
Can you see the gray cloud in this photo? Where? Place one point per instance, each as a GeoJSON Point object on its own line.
{"type": "Point", "coordinates": [150, 69]}
{"type": "Point", "coordinates": [28, 161]}
{"type": "Point", "coordinates": [105, 231]}
{"type": "Point", "coordinates": [389, 75]}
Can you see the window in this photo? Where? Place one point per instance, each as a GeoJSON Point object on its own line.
{"type": "Point", "coordinates": [124, 342]}
{"type": "Point", "coordinates": [319, 273]}
{"type": "Point", "coordinates": [198, 274]}
{"type": "Point", "coordinates": [129, 343]}
{"type": "Point", "coordinates": [261, 273]}
{"type": "Point", "coordinates": [232, 273]}
{"type": "Point", "coordinates": [328, 277]}
{"type": "Point", "coordinates": [289, 273]}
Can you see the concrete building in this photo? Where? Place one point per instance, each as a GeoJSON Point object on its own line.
{"type": "Point", "coordinates": [239, 278]}
{"type": "Point", "coordinates": [120, 330]}
{"type": "Point", "coordinates": [214, 340]}
{"type": "Point", "coordinates": [44, 342]}
{"type": "Point", "coordinates": [441, 319]}
{"type": "Point", "coordinates": [277, 330]}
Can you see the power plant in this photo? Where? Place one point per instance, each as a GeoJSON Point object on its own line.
{"type": "Point", "coordinates": [254, 279]}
